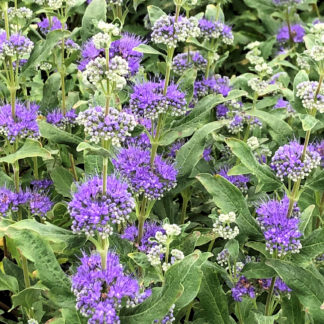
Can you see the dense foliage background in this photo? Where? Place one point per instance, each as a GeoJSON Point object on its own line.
{"type": "Point", "coordinates": [162, 161]}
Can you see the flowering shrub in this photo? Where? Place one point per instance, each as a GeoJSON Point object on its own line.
{"type": "Point", "coordinates": [162, 162]}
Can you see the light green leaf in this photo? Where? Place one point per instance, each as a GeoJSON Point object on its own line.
{"type": "Point", "coordinates": [191, 152]}
{"type": "Point", "coordinates": [57, 135]}
{"type": "Point", "coordinates": [92, 149]}
{"type": "Point", "coordinates": [305, 218]}
{"type": "Point", "coordinates": [257, 270]}
{"type": "Point", "coordinates": [186, 83]}
{"type": "Point", "coordinates": [292, 310]}
{"type": "Point", "coordinates": [94, 12]}
{"type": "Point", "coordinates": [229, 198]}
{"type": "Point", "coordinates": [30, 148]}
{"type": "Point", "coordinates": [63, 180]}
{"type": "Point", "coordinates": [147, 49]}
{"type": "Point", "coordinates": [154, 13]}
{"type": "Point", "coordinates": [26, 297]}
{"type": "Point", "coordinates": [8, 283]}
{"type": "Point", "coordinates": [212, 305]}
{"type": "Point", "coordinates": [278, 125]}
{"type": "Point", "coordinates": [308, 121]}
{"type": "Point", "coordinates": [267, 179]}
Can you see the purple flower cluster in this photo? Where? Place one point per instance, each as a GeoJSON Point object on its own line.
{"type": "Point", "coordinates": [46, 25]}
{"type": "Point", "coordinates": [216, 30]}
{"type": "Point", "coordinates": [122, 47]}
{"type": "Point", "coordinates": [207, 154]}
{"type": "Point", "coordinates": [142, 140]}
{"type": "Point", "coordinates": [319, 148]}
{"type": "Point", "coordinates": [37, 201]}
{"type": "Point", "coordinates": [216, 84]}
{"type": "Point", "coordinates": [100, 292]}
{"type": "Point", "coordinates": [23, 125]}
{"type": "Point", "coordinates": [150, 229]}
{"type": "Point", "coordinates": [8, 201]}
{"type": "Point", "coordinates": [185, 61]}
{"type": "Point", "coordinates": [92, 211]}
{"type": "Point", "coordinates": [279, 287]}
{"type": "Point", "coordinates": [287, 161]}
{"type": "Point", "coordinates": [243, 288]}
{"type": "Point", "coordinates": [169, 32]}
{"type": "Point", "coordinates": [41, 185]}
{"type": "Point", "coordinates": [281, 103]}
{"type": "Point", "coordinates": [281, 233]}
{"type": "Point", "coordinates": [16, 46]}
{"type": "Point", "coordinates": [297, 33]}
{"type": "Point", "coordinates": [134, 165]}
{"type": "Point", "coordinates": [116, 126]}
{"type": "Point", "coordinates": [239, 181]}
{"type": "Point", "coordinates": [61, 121]}
{"type": "Point", "coordinates": [175, 147]}
{"type": "Point", "coordinates": [148, 101]}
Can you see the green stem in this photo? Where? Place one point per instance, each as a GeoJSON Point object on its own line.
{"type": "Point", "coordinates": [24, 265]}
{"type": "Point", "coordinates": [35, 163]}
{"type": "Point", "coordinates": [141, 220]}
{"type": "Point", "coordinates": [6, 20]}
{"type": "Point", "coordinates": [108, 92]}
{"type": "Point", "coordinates": [103, 252]}
{"type": "Point", "coordinates": [62, 74]}
{"type": "Point", "coordinates": [211, 244]}
{"type": "Point", "coordinates": [321, 210]}
{"type": "Point", "coordinates": [291, 39]}
{"type": "Point", "coordinates": [73, 169]}
{"type": "Point", "coordinates": [239, 313]}
{"type": "Point", "coordinates": [269, 297]}
{"type": "Point", "coordinates": [188, 312]}
{"type": "Point", "coordinates": [184, 209]}
{"type": "Point", "coordinates": [105, 145]}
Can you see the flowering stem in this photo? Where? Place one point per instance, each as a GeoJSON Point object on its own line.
{"type": "Point", "coordinates": [211, 244]}
{"type": "Point", "coordinates": [141, 221]}
{"type": "Point", "coordinates": [188, 312]}
{"type": "Point", "coordinates": [184, 210]}
{"type": "Point", "coordinates": [269, 297]}
{"type": "Point", "coordinates": [296, 186]}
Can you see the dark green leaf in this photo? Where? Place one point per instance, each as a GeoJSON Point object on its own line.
{"type": "Point", "coordinates": [8, 283]}
{"type": "Point", "coordinates": [229, 198]}
{"type": "Point", "coordinates": [63, 180]}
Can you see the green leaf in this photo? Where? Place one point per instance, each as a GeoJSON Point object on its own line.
{"type": "Point", "coordinates": [30, 148]}
{"type": "Point", "coordinates": [94, 12]}
{"type": "Point", "coordinates": [263, 319]}
{"type": "Point", "coordinates": [8, 283]}
{"type": "Point", "coordinates": [278, 125]}
{"type": "Point", "coordinates": [212, 299]}
{"type": "Point", "coordinates": [26, 297]}
{"type": "Point", "coordinates": [292, 310]}
{"type": "Point", "coordinates": [308, 121]}
{"type": "Point", "coordinates": [191, 282]}
{"type": "Point", "coordinates": [63, 180]}
{"type": "Point", "coordinates": [140, 259]}
{"type": "Point", "coordinates": [257, 270]}
{"type": "Point", "coordinates": [186, 83]}
{"type": "Point", "coordinates": [50, 90]}
{"type": "Point", "coordinates": [316, 182]}
{"type": "Point", "coordinates": [191, 152]}
{"type": "Point", "coordinates": [263, 172]}
{"type": "Point", "coordinates": [233, 248]}
{"type": "Point", "coordinates": [214, 13]}
{"type": "Point", "coordinates": [229, 198]}
{"type": "Point", "coordinates": [305, 218]}
{"type": "Point", "coordinates": [71, 316]}
{"type": "Point", "coordinates": [258, 246]}
{"type": "Point", "coordinates": [158, 305]}
{"type": "Point", "coordinates": [147, 49]}
{"type": "Point", "coordinates": [6, 181]}
{"type": "Point", "coordinates": [154, 13]}
{"type": "Point", "coordinates": [312, 246]}
{"type": "Point", "coordinates": [61, 240]}
{"type": "Point", "coordinates": [307, 287]}
{"type": "Point", "coordinates": [92, 149]}
{"type": "Point", "coordinates": [300, 77]}
{"type": "Point", "coordinates": [57, 135]}
{"type": "Point", "coordinates": [42, 50]}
